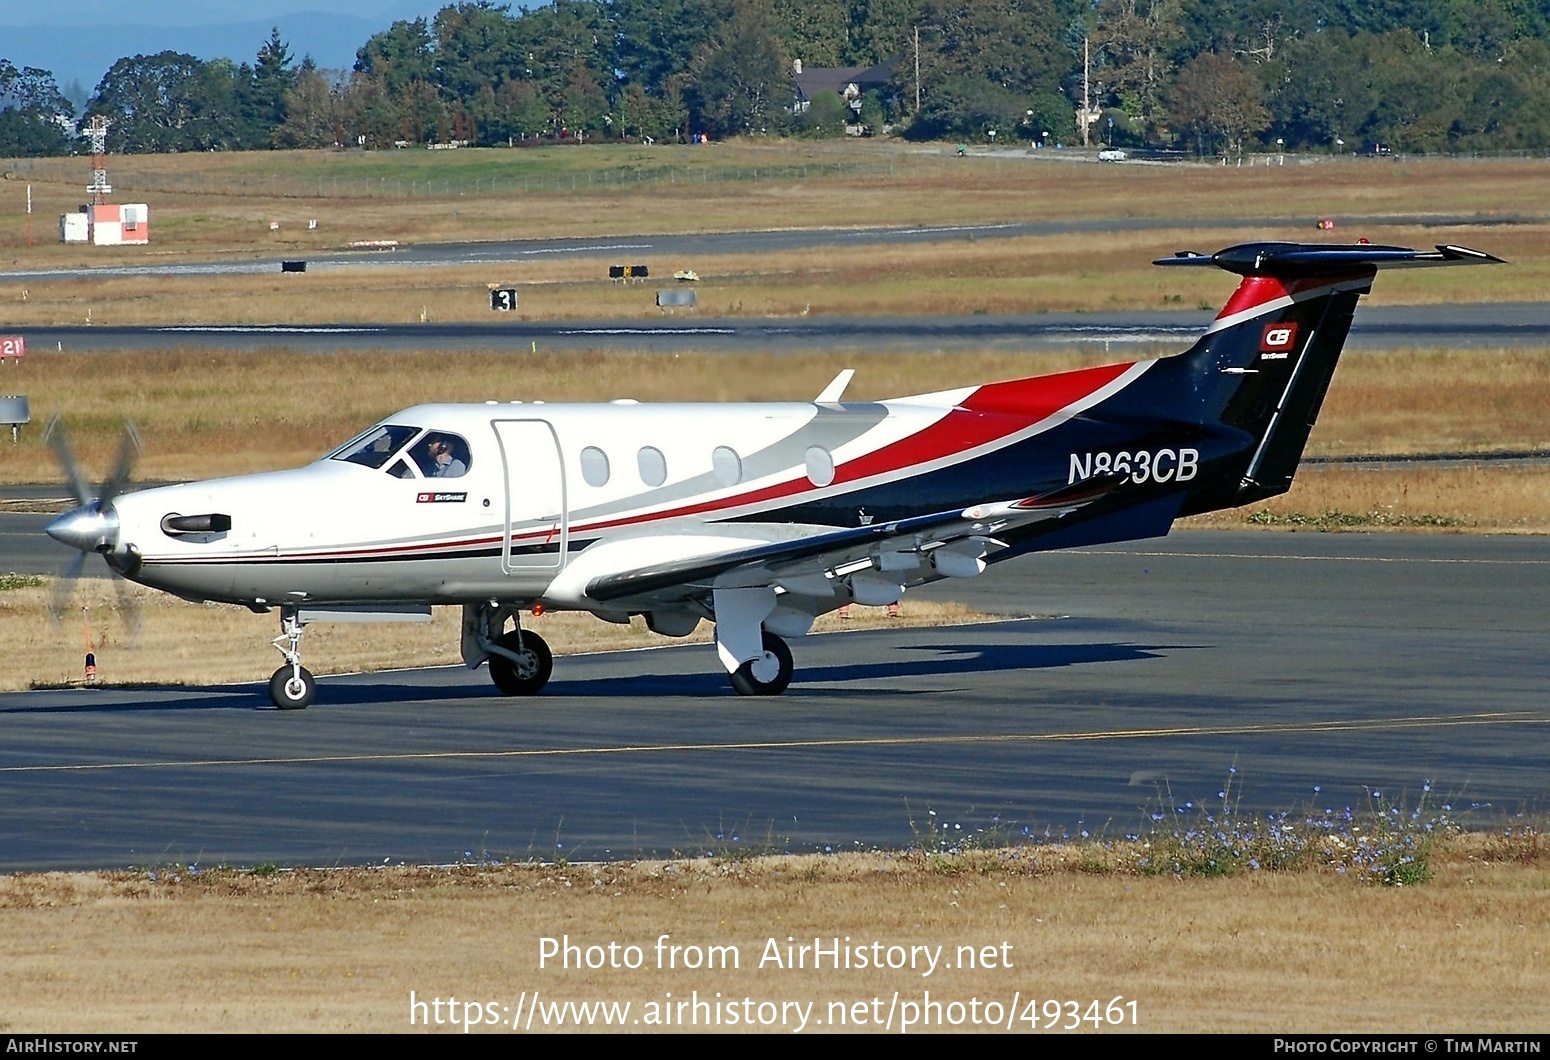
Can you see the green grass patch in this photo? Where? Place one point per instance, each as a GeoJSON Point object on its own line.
{"type": "Point", "coordinates": [1335, 520]}
{"type": "Point", "coordinates": [415, 172]}
{"type": "Point", "coordinates": [12, 580]}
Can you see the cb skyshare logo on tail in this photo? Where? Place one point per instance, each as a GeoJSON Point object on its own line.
{"type": "Point", "coordinates": [1277, 341]}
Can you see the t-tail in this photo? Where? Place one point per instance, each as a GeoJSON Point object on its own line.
{"type": "Point", "coordinates": [1255, 381]}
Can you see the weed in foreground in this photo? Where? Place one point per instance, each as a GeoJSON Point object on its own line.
{"type": "Point", "coordinates": [946, 848]}
{"type": "Point", "coordinates": [1384, 843]}
{"type": "Point", "coordinates": [1519, 843]}
{"type": "Point", "coordinates": [1387, 843]}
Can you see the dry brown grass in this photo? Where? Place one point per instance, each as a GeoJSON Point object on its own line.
{"type": "Point", "coordinates": [1471, 498]}
{"type": "Point", "coordinates": [163, 640]}
{"type": "Point", "coordinates": [894, 184]}
{"type": "Point", "coordinates": [1081, 273]}
{"type": "Point", "coordinates": [1399, 401]}
{"type": "Point", "coordinates": [208, 413]}
{"type": "Point", "coordinates": [338, 950]}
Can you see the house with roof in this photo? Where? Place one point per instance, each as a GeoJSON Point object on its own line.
{"type": "Point", "coordinates": [850, 83]}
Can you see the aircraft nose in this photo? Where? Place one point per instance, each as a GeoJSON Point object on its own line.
{"type": "Point", "coordinates": [87, 528]}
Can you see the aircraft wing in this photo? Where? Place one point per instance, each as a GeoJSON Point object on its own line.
{"type": "Point", "coordinates": [835, 553]}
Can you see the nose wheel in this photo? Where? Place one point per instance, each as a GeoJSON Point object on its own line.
{"type": "Point", "coordinates": [292, 686]}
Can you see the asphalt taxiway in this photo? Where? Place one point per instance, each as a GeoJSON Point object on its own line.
{"type": "Point", "coordinates": [1149, 333]}
{"type": "Point", "coordinates": [631, 247]}
{"type": "Point", "coordinates": [1305, 669]}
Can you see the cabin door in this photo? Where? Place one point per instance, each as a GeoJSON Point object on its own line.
{"type": "Point", "coordinates": [536, 516]}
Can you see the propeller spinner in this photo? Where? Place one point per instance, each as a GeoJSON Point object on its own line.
{"type": "Point", "coordinates": [92, 526]}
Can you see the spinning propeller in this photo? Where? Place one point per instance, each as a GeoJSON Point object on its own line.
{"type": "Point", "coordinates": [93, 526]}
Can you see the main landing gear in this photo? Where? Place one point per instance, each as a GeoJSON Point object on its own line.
{"type": "Point", "coordinates": [756, 660]}
{"type": "Point", "coordinates": [767, 675]}
{"type": "Point", "coordinates": [292, 686]}
{"type": "Point", "coordinates": [520, 660]}
{"type": "Point", "coordinates": [522, 665]}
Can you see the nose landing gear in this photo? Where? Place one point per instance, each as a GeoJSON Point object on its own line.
{"type": "Point", "coordinates": [292, 686]}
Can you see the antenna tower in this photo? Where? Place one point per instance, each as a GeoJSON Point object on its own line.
{"type": "Point", "coordinates": [99, 188]}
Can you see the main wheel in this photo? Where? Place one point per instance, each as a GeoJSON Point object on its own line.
{"type": "Point", "coordinates": [769, 675]}
{"type": "Point", "coordinates": [526, 676]}
{"type": "Point", "coordinates": [290, 692]}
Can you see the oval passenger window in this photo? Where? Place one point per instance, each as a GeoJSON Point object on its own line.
{"type": "Point", "coordinates": [726, 465]}
{"type": "Point", "coordinates": [653, 466]}
{"type": "Point", "coordinates": [594, 466]}
{"type": "Point", "coordinates": [820, 466]}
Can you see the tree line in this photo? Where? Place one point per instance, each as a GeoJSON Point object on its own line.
{"type": "Point", "coordinates": [1213, 76]}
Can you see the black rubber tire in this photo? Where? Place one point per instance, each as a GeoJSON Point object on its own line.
{"type": "Point", "coordinates": [288, 698]}
{"type": "Point", "coordinates": [747, 684]}
{"type": "Point", "coordinates": [529, 677]}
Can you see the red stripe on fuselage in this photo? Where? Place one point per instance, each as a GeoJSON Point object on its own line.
{"type": "Point", "coordinates": [993, 411]}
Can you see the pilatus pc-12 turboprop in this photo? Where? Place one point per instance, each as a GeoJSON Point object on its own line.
{"type": "Point", "coordinates": [758, 517]}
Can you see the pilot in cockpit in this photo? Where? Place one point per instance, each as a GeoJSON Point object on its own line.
{"type": "Point", "coordinates": [443, 463]}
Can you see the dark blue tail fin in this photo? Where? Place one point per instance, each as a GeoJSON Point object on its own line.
{"type": "Point", "coordinates": [1260, 372]}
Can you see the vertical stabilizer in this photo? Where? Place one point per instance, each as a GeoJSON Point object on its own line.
{"type": "Point", "coordinates": [1262, 369]}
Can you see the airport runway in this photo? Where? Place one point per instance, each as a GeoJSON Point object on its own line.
{"type": "Point", "coordinates": [1525, 324]}
{"type": "Point", "coordinates": [1341, 662]}
{"type": "Point", "coordinates": [627, 249]}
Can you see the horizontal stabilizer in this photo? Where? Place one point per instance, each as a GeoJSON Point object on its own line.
{"type": "Point", "coordinates": [1326, 259]}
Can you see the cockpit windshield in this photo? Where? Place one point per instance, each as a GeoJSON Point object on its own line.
{"type": "Point", "coordinates": [376, 446]}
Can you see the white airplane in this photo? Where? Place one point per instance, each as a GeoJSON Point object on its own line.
{"type": "Point", "coordinates": [757, 517]}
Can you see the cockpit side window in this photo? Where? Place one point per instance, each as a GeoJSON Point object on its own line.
{"type": "Point", "coordinates": [376, 447]}
{"type": "Point", "coordinates": [401, 469]}
{"type": "Point", "coordinates": [442, 455]}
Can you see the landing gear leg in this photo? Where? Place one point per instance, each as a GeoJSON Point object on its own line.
{"type": "Point", "coordinates": [520, 661]}
{"type": "Point", "coordinates": [292, 686]}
